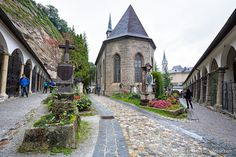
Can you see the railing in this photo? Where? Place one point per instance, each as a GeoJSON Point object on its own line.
{"type": "Point", "coordinates": [229, 96]}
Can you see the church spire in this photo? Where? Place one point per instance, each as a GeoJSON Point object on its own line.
{"type": "Point", "coordinates": [164, 64]}
{"type": "Point", "coordinates": [109, 29]}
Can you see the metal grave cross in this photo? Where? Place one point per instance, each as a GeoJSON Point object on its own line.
{"type": "Point", "coordinates": [67, 46]}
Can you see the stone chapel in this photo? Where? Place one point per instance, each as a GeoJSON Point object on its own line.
{"type": "Point", "coordinates": [123, 54]}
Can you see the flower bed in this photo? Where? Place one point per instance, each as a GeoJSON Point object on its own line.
{"type": "Point", "coordinates": [170, 105]}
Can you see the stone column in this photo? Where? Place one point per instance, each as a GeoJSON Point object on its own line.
{"type": "Point", "coordinates": [3, 75]}
{"type": "Point", "coordinates": [201, 92]}
{"type": "Point", "coordinates": [36, 82]}
{"type": "Point", "coordinates": [21, 73]}
{"type": "Point", "coordinates": [30, 85]}
{"type": "Point", "coordinates": [208, 92]}
{"type": "Point", "coordinates": [196, 90]}
{"type": "Point", "coordinates": [22, 69]}
{"type": "Point", "coordinates": [219, 88]}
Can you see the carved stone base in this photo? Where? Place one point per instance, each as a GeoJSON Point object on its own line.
{"type": "Point", "coordinates": [42, 139]}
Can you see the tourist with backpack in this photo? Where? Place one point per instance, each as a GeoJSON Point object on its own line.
{"type": "Point", "coordinates": [24, 83]}
{"type": "Point", "coordinates": [45, 87]}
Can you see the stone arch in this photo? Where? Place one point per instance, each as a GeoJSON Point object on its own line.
{"type": "Point", "coordinates": [14, 72]}
{"type": "Point", "coordinates": [225, 54]}
{"type": "Point", "coordinates": [3, 44]}
{"type": "Point", "coordinates": [213, 66]}
{"type": "Point", "coordinates": [138, 63]}
{"type": "Point", "coordinates": [117, 68]}
{"type": "Point", "coordinates": [230, 74]}
{"type": "Point", "coordinates": [204, 83]}
{"type": "Point", "coordinates": [28, 68]}
{"type": "Point", "coordinates": [213, 82]}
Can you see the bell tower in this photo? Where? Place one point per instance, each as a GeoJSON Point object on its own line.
{"type": "Point", "coordinates": [164, 64]}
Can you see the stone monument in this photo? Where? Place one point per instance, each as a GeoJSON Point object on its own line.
{"type": "Point", "coordinates": [65, 72]}
{"type": "Point", "coordinates": [147, 91]}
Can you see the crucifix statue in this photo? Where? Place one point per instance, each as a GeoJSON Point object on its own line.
{"type": "Point", "coordinates": [67, 46]}
{"type": "Point", "coordinates": [65, 73]}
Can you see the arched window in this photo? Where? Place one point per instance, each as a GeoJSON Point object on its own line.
{"type": "Point", "coordinates": [116, 68]}
{"type": "Point", "coordinates": [138, 67]}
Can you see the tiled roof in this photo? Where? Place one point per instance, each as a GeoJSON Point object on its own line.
{"type": "Point", "coordinates": [129, 24]}
{"type": "Point", "coordinates": [179, 69]}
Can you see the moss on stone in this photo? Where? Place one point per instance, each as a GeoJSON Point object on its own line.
{"type": "Point", "coordinates": [27, 12]}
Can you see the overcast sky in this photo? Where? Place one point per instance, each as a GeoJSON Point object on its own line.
{"type": "Point", "coordinates": [182, 28]}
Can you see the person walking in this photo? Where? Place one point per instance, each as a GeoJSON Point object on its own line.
{"type": "Point", "coordinates": [24, 83]}
{"type": "Point", "coordinates": [45, 87]}
{"type": "Point", "coordinates": [98, 89]}
{"type": "Point", "coordinates": [188, 97]}
{"type": "Point", "coordinates": [51, 85]}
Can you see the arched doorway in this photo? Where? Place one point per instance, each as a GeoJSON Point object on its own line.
{"type": "Point", "coordinates": [27, 69]}
{"type": "Point", "coordinates": [230, 83]}
{"type": "Point", "coordinates": [13, 75]}
{"type": "Point", "coordinates": [213, 82]}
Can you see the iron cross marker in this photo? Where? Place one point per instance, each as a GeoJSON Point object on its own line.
{"type": "Point", "coordinates": [67, 46]}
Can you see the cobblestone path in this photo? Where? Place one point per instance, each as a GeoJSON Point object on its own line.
{"type": "Point", "coordinates": [149, 137]}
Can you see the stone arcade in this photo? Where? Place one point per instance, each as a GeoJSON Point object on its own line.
{"type": "Point", "coordinates": [213, 78]}
{"type": "Point", "coordinates": [126, 49]}
{"type": "Point", "coordinates": [16, 58]}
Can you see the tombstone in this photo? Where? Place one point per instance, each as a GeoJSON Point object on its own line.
{"type": "Point", "coordinates": [65, 72]}
{"type": "Point", "coordinates": [147, 91]}
{"type": "Point", "coordinates": [79, 85]}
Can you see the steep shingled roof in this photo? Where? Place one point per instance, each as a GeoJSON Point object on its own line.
{"type": "Point", "coordinates": [129, 24]}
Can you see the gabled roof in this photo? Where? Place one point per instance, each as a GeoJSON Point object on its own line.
{"type": "Point", "coordinates": [128, 27]}
{"type": "Point", "coordinates": [129, 24]}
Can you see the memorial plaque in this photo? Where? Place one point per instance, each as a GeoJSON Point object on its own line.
{"type": "Point", "coordinates": [65, 73]}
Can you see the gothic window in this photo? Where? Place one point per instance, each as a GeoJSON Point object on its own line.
{"type": "Point", "coordinates": [116, 68]}
{"type": "Point", "coordinates": [138, 67]}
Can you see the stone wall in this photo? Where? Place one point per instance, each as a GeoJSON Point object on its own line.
{"type": "Point", "coordinates": [127, 49]}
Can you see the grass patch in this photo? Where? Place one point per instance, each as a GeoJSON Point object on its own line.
{"type": "Point", "coordinates": [84, 130]}
{"type": "Point", "coordinates": [161, 112]}
{"type": "Point", "coordinates": [65, 151]}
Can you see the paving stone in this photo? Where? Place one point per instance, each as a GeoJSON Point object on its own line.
{"type": "Point", "coordinates": [148, 135]}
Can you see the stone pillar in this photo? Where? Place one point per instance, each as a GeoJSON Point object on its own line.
{"type": "Point", "coordinates": [219, 88]}
{"type": "Point", "coordinates": [208, 92]}
{"type": "Point", "coordinates": [36, 82]}
{"type": "Point", "coordinates": [30, 85]}
{"type": "Point", "coordinates": [201, 92]}
{"type": "Point", "coordinates": [196, 90]}
{"type": "Point", "coordinates": [3, 75]}
{"type": "Point", "coordinates": [21, 73]}
{"type": "Point", "coordinates": [22, 69]}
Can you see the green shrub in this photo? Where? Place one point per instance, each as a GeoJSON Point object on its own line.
{"type": "Point", "coordinates": [133, 96]}
{"type": "Point", "coordinates": [163, 97]}
{"type": "Point", "coordinates": [83, 103]}
{"type": "Point", "coordinates": [175, 93]}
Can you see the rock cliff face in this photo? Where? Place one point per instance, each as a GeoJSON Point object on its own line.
{"type": "Point", "coordinates": [37, 30]}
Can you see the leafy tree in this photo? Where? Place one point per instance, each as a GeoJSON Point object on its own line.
{"type": "Point", "coordinates": [166, 80]}
{"type": "Point", "coordinates": [159, 83]}
{"type": "Point", "coordinates": [79, 58]}
{"type": "Point", "coordinates": [92, 72]}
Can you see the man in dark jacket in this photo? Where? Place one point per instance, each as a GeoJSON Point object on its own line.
{"type": "Point", "coordinates": [24, 83]}
{"type": "Point", "coordinates": [188, 97]}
